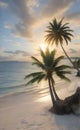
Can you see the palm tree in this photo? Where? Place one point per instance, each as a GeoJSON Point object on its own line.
{"type": "Point", "coordinates": [49, 66]}
{"type": "Point", "coordinates": [57, 33]}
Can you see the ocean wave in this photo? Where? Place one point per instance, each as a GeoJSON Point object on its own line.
{"type": "Point", "coordinates": [12, 87]}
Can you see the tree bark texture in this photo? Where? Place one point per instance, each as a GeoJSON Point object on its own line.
{"type": "Point", "coordinates": [69, 105]}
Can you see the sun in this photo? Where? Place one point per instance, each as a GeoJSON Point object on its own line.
{"type": "Point", "coordinates": [43, 46]}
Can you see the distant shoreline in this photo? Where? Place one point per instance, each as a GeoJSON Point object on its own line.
{"type": "Point", "coordinates": [30, 61]}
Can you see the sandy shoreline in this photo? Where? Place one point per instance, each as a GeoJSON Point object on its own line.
{"type": "Point", "coordinates": [28, 112]}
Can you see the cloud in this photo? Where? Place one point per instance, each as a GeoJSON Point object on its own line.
{"type": "Point", "coordinates": [52, 9]}
{"type": "Point", "coordinates": [73, 14]}
{"type": "Point", "coordinates": [3, 4]}
{"type": "Point", "coordinates": [1, 51]}
{"type": "Point", "coordinates": [7, 40]}
{"type": "Point", "coordinates": [16, 44]}
{"type": "Point", "coordinates": [74, 18]}
{"type": "Point", "coordinates": [56, 7]}
{"type": "Point", "coordinates": [17, 55]}
{"type": "Point", "coordinates": [7, 26]}
{"type": "Point", "coordinates": [77, 38]}
{"type": "Point", "coordinates": [74, 52]}
{"type": "Point", "coordinates": [32, 15]}
{"type": "Point", "coordinates": [12, 42]}
{"type": "Point", "coordinates": [77, 44]}
{"type": "Point", "coordinates": [17, 52]}
{"type": "Point", "coordinates": [22, 9]}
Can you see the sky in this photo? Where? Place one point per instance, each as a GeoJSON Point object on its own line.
{"type": "Point", "coordinates": [23, 24]}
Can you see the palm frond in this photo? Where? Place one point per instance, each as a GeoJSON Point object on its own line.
{"type": "Point", "coordinates": [48, 65]}
{"type": "Point", "coordinates": [48, 57]}
{"type": "Point", "coordinates": [38, 63]}
{"type": "Point", "coordinates": [57, 60]}
{"type": "Point", "coordinates": [33, 75]}
{"type": "Point", "coordinates": [60, 23]}
{"type": "Point", "coordinates": [62, 76]}
{"type": "Point", "coordinates": [62, 67]}
{"type": "Point", "coordinates": [57, 31]}
{"type": "Point", "coordinates": [36, 78]}
{"type": "Point", "coordinates": [63, 72]}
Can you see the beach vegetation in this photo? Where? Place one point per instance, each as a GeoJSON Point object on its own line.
{"type": "Point", "coordinates": [50, 65]}
{"type": "Point", "coordinates": [57, 33]}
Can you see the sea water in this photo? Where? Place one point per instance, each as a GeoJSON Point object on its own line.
{"type": "Point", "coordinates": [12, 77]}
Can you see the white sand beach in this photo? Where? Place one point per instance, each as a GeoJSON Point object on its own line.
{"type": "Point", "coordinates": [30, 111]}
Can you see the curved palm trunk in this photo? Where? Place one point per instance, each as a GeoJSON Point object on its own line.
{"type": "Point", "coordinates": [68, 56]}
{"type": "Point", "coordinates": [56, 96]}
{"type": "Point", "coordinates": [51, 93]}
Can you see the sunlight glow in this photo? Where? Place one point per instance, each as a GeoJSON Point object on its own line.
{"type": "Point", "coordinates": [43, 46]}
{"type": "Point", "coordinates": [43, 99]}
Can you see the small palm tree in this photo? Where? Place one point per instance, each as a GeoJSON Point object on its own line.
{"type": "Point", "coordinates": [49, 66]}
{"type": "Point", "coordinates": [57, 33]}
